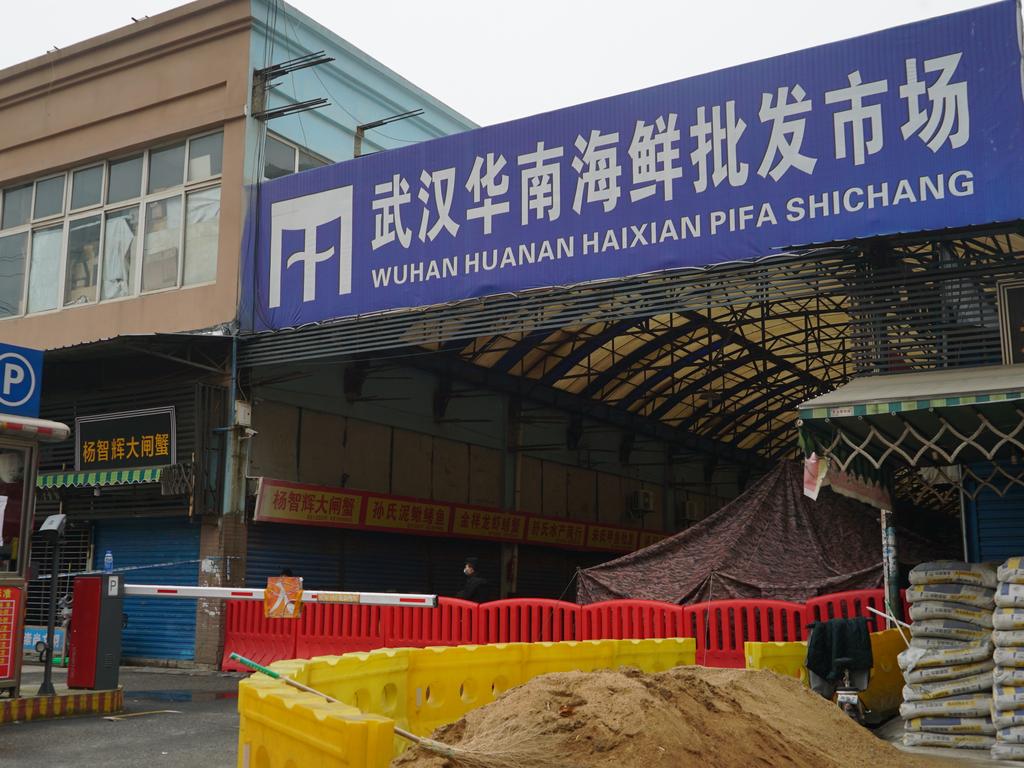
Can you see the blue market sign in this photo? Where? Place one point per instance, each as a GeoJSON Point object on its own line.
{"type": "Point", "coordinates": [911, 129]}
{"type": "Point", "coordinates": [21, 380]}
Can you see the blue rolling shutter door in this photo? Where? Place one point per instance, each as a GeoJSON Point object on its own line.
{"type": "Point", "coordinates": [389, 562]}
{"type": "Point", "coordinates": [385, 562]}
{"type": "Point", "coordinates": [995, 525]}
{"type": "Point", "coordinates": [158, 628]}
{"type": "Point", "coordinates": [312, 552]}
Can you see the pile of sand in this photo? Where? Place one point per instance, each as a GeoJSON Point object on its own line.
{"type": "Point", "coordinates": [688, 716]}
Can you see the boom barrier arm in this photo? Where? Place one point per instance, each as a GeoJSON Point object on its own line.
{"type": "Point", "coordinates": [308, 596]}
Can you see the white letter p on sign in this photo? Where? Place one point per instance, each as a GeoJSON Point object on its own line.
{"type": "Point", "coordinates": [14, 374]}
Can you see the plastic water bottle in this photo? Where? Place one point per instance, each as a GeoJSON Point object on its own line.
{"type": "Point", "coordinates": [108, 562]}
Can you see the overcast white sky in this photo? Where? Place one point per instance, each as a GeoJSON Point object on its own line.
{"type": "Point", "coordinates": [495, 61]}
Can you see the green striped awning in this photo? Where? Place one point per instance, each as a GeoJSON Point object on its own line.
{"type": "Point", "coordinates": [923, 391]}
{"type": "Point", "coordinates": [106, 477]}
{"type": "Point", "coordinates": [944, 418]}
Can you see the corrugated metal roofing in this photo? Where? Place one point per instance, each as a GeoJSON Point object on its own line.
{"type": "Point", "coordinates": [724, 354]}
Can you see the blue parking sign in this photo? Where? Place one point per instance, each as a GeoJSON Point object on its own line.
{"type": "Point", "coordinates": [21, 380]}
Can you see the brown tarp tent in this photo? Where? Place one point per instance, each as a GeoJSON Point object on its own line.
{"type": "Point", "coordinates": [770, 542]}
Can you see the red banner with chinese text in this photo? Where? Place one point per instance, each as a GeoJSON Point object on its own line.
{"type": "Point", "coordinates": [10, 629]}
{"type": "Point", "coordinates": [280, 501]}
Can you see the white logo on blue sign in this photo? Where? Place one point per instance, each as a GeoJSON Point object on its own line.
{"type": "Point", "coordinates": [314, 234]}
{"type": "Point", "coordinates": [17, 380]}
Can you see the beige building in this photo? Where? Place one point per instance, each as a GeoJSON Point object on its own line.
{"type": "Point", "coordinates": [125, 162]}
{"type": "Point", "coordinates": [122, 167]}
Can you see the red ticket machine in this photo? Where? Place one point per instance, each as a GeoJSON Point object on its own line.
{"type": "Point", "coordinates": [96, 632]}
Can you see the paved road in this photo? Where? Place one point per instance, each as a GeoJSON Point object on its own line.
{"type": "Point", "coordinates": [203, 734]}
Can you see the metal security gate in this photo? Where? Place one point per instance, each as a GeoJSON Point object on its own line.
{"type": "Point", "coordinates": [75, 557]}
{"type": "Point", "coordinates": [157, 629]}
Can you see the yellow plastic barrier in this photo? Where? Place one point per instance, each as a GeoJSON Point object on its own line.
{"type": "Point", "coordinates": [784, 658]}
{"type": "Point", "coordinates": [417, 689]}
{"type": "Point", "coordinates": [654, 655]}
{"type": "Point", "coordinates": [445, 683]}
{"type": "Point", "coordinates": [287, 728]}
{"type": "Point", "coordinates": [884, 693]}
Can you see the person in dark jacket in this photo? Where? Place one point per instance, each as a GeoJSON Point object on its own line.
{"type": "Point", "coordinates": [475, 586]}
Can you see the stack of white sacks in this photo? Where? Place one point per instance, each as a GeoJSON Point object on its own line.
{"type": "Point", "coordinates": [1008, 676]}
{"type": "Point", "coordinates": [948, 668]}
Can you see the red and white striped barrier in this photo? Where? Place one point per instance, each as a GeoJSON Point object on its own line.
{"type": "Point", "coordinates": [308, 596]}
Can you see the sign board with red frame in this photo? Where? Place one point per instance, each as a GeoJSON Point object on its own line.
{"type": "Point", "coordinates": [11, 606]}
{"type": "Point", "coordinates": [280, 501]}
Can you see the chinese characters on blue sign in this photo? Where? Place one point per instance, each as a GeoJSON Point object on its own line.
{"type": "Point", "coordinates": [911, 129]}
{"type": "Point", "coordinates": [21, 380]}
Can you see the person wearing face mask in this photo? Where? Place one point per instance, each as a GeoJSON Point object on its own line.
{"type": "Point", "coordinates": [475, 586]}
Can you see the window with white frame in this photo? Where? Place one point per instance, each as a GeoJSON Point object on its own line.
{"type": "Point", "coordinates": [110, 230]}
{"type": "Point", "coordinates": [282, 157]}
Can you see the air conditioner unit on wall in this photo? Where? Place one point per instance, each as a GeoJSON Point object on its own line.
{"type": "Point", "coordinates": [691, 510]}
{"type": "Point", "coordinates": [641, 502]}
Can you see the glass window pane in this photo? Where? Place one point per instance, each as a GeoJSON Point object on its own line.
{"type": "Point", "coordinates": [204, 156]}
{"type": "Point", "coordinates": [307, 161]}
{"type": "Point", "coordinates": [279, 159]}
{"type": "Point", "coordinates": [13, 479]}
{"type": "Point", "coordinates": [86, 187]}
{"type": "Point", "coordinates": [49, 197]}
{"type": "Point", "coordinates": [17, 206]}
{"type": "Point", "coordinates": [125, 180]}
{"type": "Point", "coordinates": [83, 261]}
{"type": "Point", "coordinates": [160, 249]}
{"type": "Point", "coordinates": [119, 253]}
{"type": "Point", "coordinates": [202, 218]}
{"type": "Point", "coordinates": [166, 167]}
{"type": "Point", "coordinates": [44, 272]}
{"type": "Point", "coordinates": [12, 273]}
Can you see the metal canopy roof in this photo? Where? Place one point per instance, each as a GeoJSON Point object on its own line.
{"type": "Point", "coordinates": [723, 355]}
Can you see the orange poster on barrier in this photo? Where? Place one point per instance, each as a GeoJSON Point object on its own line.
{"type": "Point", "coordinates": [283, 597]}
{"type": "Point", "coordinates": [406, 514]}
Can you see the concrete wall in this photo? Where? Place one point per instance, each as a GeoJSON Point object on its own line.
{"type": "Point", "coordinates": [384, 435]}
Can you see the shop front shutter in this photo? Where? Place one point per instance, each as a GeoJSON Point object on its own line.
{"type": "Point", "coordinates": [385, 562]}
{"type": "Point", "coordinates": [995, 525]}
{"type": "Point", "coordinates": [158, 628]}
{"type": "Point", "coordinates": [312, 552]}
{"type": "Point", "coordinates": [548, 572]}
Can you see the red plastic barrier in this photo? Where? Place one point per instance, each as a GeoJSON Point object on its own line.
{"type": "Point", "coordinates": [249, 634]}
{"type": "Point", "coordinates": [848, 605]}
{"type": "Point", "coordinates": [721, 627]}
{"type": "Point", "coordinates": [327, 629]}
{"type": "Point", "coordinates": [452, 622]}
{"type": "Point", "coordinates": [526, 620]}
{"type": "Point", "coordinates": [630, 619]}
